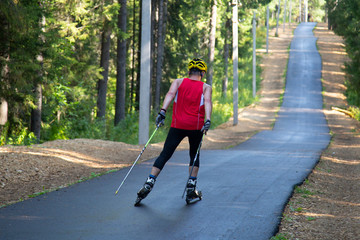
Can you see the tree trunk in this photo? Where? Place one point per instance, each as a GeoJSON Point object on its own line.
{"type": "Point", "coordinates": [36, 112]}
{"type": "Point", "coordinates": [133, 54]}
{"type": "Point", "coordinates": [121, 66]}
{"type": "Point", "coordinates": [3, 111]}
{"type": "Point", "coordinates": [226, 57]}
{"type": "Point", "coordinates": [277, 19]}
{"type": "Point", "coordinates": [4, 68]}
{"type": "Point", "coordinates": [235, 57]}
{"type": "Point", "coordinates": [160, 51]}
{"type": "Point", "coordinates": [137, 84]}
{"type": "Point", "coordinates": [104, 64]}
{"type": "Point", "coordinates": [212, 43]}
{"type": "Point", "coordinates": [4, 108]}
{"type": "Point", "coordinates": [155, 5]}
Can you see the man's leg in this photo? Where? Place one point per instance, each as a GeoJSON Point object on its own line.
{"type": "Point", "coordinates": [155, 171]}
{"type": "Point", "coordinates": [172, 141]}
{"type": "Point", "coordinates": [194, 142]}
{"type": "Point", "coordinates": [194, 172]}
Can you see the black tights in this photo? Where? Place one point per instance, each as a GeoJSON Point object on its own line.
{"type": "Point", "coordinates": [174, 137]}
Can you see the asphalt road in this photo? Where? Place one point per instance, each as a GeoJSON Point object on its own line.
{"type": "Point", "coordinates": [244, 188]}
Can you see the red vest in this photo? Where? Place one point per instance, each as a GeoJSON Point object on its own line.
{"type": "Point", "coordinates": [188, 108]}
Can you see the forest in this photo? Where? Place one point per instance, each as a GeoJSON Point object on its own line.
{"type": "Point", "coordinates": [71, 68]}
{"type": "Point", "coordinates": [344, 19]}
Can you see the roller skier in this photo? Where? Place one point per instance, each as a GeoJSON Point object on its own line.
{"type": "Point", "coordinates": [191, 116]}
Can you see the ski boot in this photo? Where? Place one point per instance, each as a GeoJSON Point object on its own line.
{"type": "Point", "coordinates": [145, 190]}
{"type": "Point", "coordinates": [192, 194]}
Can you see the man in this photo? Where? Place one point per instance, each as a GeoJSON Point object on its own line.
{"type": "Point", "coordinates": [192, 106]}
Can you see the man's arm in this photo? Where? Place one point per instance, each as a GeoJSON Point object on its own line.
{"type": "Point", "coordinates": [208, 101]}
{"type": "Point", "coordinates": [171, 93]}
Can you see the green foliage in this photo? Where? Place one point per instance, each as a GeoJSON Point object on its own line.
{"type": "Point", "coordinates": [19, 136]}
{"type": "Point", "coordinates": [127, 130]}
{"type": "Point", "coordinates": [344, 17]}
{"type": "Point", "coordinates": [316, 10]}
{"type": "Point", "coordinates": [355, 112]}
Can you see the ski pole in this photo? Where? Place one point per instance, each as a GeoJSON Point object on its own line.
{"type": "Point", "coordinates": [192, 167]}
{"type": "Point", "coordinates": [157, 127]}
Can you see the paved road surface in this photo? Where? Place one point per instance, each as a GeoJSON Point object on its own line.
{"type": "Point", "coordinates": [244, 189]}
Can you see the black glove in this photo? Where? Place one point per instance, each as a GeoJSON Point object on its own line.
{"type": "Point", "coordinates": [206, 126]}
{"type": "Point", "coordinates": [160, 118]}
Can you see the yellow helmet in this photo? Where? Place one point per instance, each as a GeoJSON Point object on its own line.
{"type": "Point", "coordinates": [198, 63]}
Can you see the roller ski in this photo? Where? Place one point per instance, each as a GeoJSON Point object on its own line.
{"type": "Point", "coordinates": [145, 190]}
{"type": "Point", "coordinates": [192, 194]}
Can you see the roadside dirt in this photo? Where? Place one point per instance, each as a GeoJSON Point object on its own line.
{"type": "Point", "coordinates": [327, 204]}
{"type": "Point", "coordinates": [332, 211]}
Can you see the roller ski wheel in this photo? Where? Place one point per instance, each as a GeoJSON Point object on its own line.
{"type": "Point", "coordinates": [144, 191]}
{"type": "Point", "coordinates": [193, 197]}
{"type": "Point", "coordinates": [137, 202]}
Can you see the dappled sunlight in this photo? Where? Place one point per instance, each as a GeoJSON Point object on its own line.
{"type": "Point", "coordinates": [334, 175]}
{"type": "Point", "coordinates": [333, 72]}
{"type": "Point", "coordinates": [334, 95]}
{"type": "Point", "coordinates": [324, 215]}
{"type": "Point", "coordinates": [259, 115]}
{"type": "Point", "coordinates": [336, 85]}
{"type": "Point", "coordinates": [271, 92]}
{"type": "Point", "coordinates": [344, 146]}
{"type": "Point", "coordinates": [70, 156]}
{"type": "Point", "coordinates": [280, 53]}
{"type": "Point", "coordinates": [300, 110]}
{"type": "Point", "coordinates": [344, 203]}
{"type": "Point", "coordinates": [272, 51]}
{"type": "Point", "coordinates": [335, 44]}
{"type": "Point", "coordinates": [343, 53]}
{"type": "Point", "coordinates": [213, 139]}
{"type": "Point", "coordinates": [267, 111]}
{"type": "Point", "coordinates": [333, 112]}
{"type": "Point", "coordinates": [332, 64]}
{"type": "Point", "coordinates": [252, 121]}
{"type": "Point", "coordinates": [340, 161]}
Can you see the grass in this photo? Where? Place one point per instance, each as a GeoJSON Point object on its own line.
{"type": "Point", "coordinates": [281, 236]}
{"type": "Point", "coordinates": [38, 193]}
{"type": "Point", "coordinates": [310, 218]}
{"type": "Point", "coordinates": [287, 218]}
{"type": "Point", "coordinates": [303, 190]}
